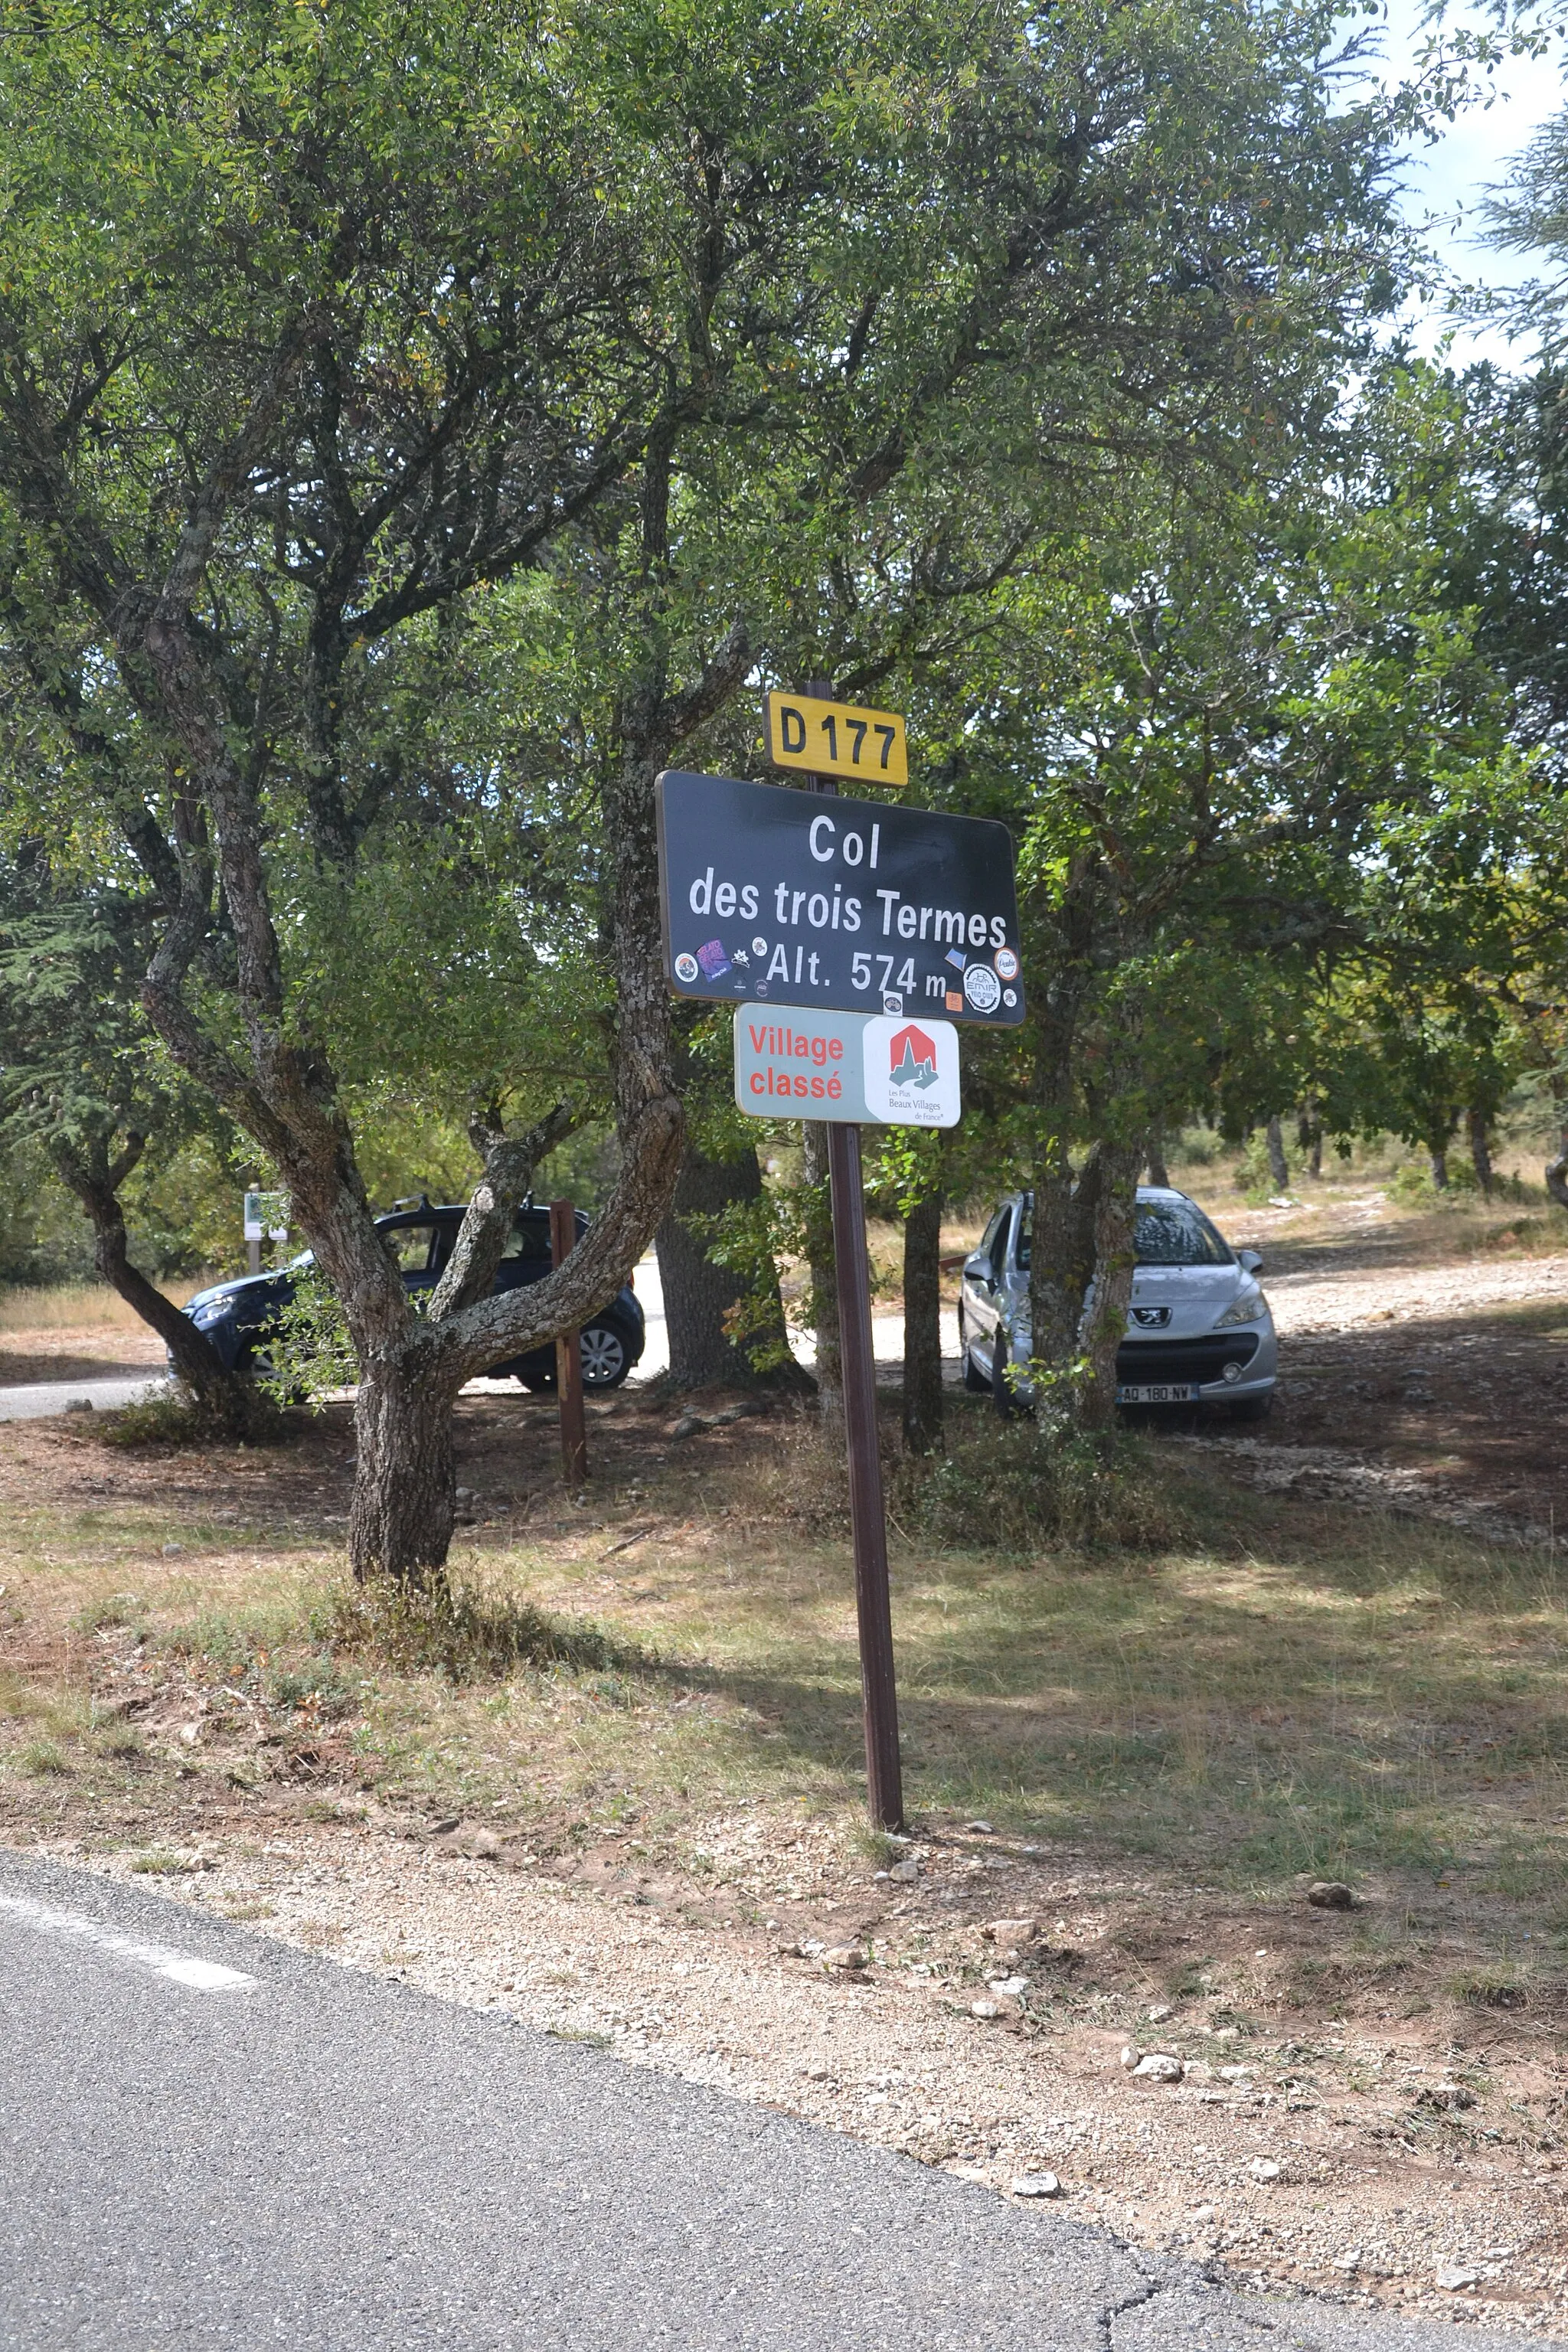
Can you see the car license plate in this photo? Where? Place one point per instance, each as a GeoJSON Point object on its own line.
{"type": "Point", "coordinates": [1165, 1392]}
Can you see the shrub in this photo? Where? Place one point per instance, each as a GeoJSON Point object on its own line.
{"type": "Point", "coordinates": [319, 1687]}
{"type": "Point", "coordinates": [175, 1418]}
{"type": "Point", "coordinates": [460, 1632]}
{"type": "Point", "coordinates": [1016, 1486]}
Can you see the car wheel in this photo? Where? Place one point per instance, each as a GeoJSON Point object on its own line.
{"type": "Point", "coordinates": [977, 1383]}
{"type": "Point", "coordinates": [606, 1358]}
{"type": "Point", "coordinates": [1004, 1395]}
{"type": "Point", "coordinates": [1253, 1408]}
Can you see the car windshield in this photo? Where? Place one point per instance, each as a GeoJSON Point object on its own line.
{"type": "Point", "coordinates": [1174, 1233]}
{"type": "Point", "coordinates": [1170, 1232]}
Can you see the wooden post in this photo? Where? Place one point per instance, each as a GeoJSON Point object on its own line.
{"type": "Point", "coordinates": [568, 1360]}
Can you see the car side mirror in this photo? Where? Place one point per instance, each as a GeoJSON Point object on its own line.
{"type": "Point", "coordinates": [978, 1265]}
{"type": "Point", "coordinates": [1249, 1261]}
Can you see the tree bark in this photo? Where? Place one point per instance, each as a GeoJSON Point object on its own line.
{"type": "Point", "coordinates": [1055, 1291]}
{"type": "Point", "coordinates": [1278, 1166]}
{"type": "Point", "coordinates": [922, 1327]}
{"type": "Point", "coordinates": [1480, 1150]}
{"type": "Point", "coordinates": [700, 1297]}
{"type": "Point", "coordinates": [96, 1181]}
{"type": "Point", "coordinates": [1556, 1170]}
{"type": "Point", "coordinates": [1158, 1172]}
{"type": "Point", "coordinates": [1439, 1153]}
{"type": "Point", "coordinates": [1310, 1135]}
{"type": "Point", "coordinates": [406, 1473]}
{"type": "Point", "coordinates": [1056, 1247]}
{"type": "Point", "coordinates": [823, 1264]}
{"type": "Point", "coordinates": [1115, 1223]}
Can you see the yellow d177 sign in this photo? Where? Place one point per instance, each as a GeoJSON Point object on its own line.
{"type": "Point", "coordinates": [838, 739]}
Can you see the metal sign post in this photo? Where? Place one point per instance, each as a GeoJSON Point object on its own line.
{"type": "Point", "coordinates": [867, 1510]}
{"type": "Point", "coordinates": [867, 1505]}
{"type": "Point", "coordinates": [568, 1360]}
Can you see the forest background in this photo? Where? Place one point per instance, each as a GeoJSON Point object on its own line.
{"type": "Point", "coordinates": [418, 428]}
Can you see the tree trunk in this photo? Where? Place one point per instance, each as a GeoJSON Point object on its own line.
{"type": "Point", "coordinates": [1278, 1166]}
{"type": "Point", "coordinates": [824, 1273]}
{"type": "Point", "coordinates": [922, 1327]}
{"type": "Point", "coordinates": [1115, 1226]}
{"type": "Point", "coordinates": [1056, 1251]}
{"type": "Point", "coordinates": [1309, 1135]}
{"type": "Point", "coordinates": [701, 1297]}
{"type": "Point", "coordinates": [96, 1183]}
{"type": "Point", "coordinates": [1556, 1170]}
{"type": "Point", "coordinates": [1480, 1150]}
{"type": "Point", "coordinates": [1158, 1172]}
{"type": "Point", "coordinates": [400, 1522]}
{"type": "Point", "coordinates": [1439, 1167]}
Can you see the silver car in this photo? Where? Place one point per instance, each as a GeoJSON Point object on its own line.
{"type": "Point", "coordinates": [1198, 1326]}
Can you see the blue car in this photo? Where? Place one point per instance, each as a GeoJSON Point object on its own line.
{"type": "Point", "coordinates": [237, 1316]}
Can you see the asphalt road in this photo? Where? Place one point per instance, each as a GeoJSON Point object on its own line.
{"type": "Point", "coordinates": [37, 1399]}
{"type": "Point", "coordinates": [208, 2140]}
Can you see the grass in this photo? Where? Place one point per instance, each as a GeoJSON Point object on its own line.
{"type": "Point", "coordinates": [79, 1306]}
{"type": "Point", "coordinates": [1259, 1690]}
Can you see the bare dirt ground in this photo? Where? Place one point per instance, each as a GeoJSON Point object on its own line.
{"type": "Point", "coordinates": [1430, 1382]}
{"type": "Point", "coordinates": [82, 1352]}
{"type": "Point", "coordinates": [1363, 2102]}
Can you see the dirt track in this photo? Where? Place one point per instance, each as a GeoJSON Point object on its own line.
{"type": "Point", "coordinates": [1409, 1380]}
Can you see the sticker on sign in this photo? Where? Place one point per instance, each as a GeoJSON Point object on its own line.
{"type": "Point", "coordinates": [796, 1062]}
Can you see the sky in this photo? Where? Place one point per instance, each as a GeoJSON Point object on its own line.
{"type": "Point", "coordinates": [1448, 180]}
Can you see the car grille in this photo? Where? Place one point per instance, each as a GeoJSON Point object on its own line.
{"type": "Point", "coordinates": [1139, 1361]}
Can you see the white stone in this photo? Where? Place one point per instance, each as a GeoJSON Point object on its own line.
{"type": "Point", "coordinates": [1265, 2168]}
{"type": "Point", "coordinates": [980, 1828]}
{"type": "Point", "coordinates": [1010, 1987]}
{"type": "Point", "coordinates": [1455, 2275]}
{"type": "Point", "coordinates": [1158, 2067]}
{"type": "Point", "coordinates": [1130, 2057]}
{"type": "Point", "coordinates": [1036, 2184]}
{"type": "Point", "coordinates": [905, 1871]}
{"type": "Point", "coordinates": [1160, 2012]}
{"type": "Point", "coordinates": [985, 2009]}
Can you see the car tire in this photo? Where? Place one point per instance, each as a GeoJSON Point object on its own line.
{"type": "Point", "coordinates": [1253, 1408]}
{"type": "Point", "coordinates": [604, 1346]}
{"type": "Point", "coordinates": [977, 1383]}
{"type": "Point", "coordinates": [1004, 1395]}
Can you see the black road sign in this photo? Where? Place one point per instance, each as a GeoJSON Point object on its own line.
{"type": "Point", "coordinates": [792, 897]}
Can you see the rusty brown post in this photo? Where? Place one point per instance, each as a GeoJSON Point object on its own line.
{"type": "Point", "coordinates": [568, 1360]}
{"type": "Point", "coordinates": [867, 1510]}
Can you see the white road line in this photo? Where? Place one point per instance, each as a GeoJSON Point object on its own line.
{"type": "Point", "coordinates": [182, 1968]}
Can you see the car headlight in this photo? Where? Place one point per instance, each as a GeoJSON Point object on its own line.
{"type": "Point", "coordinates": [214, 1312]}
{"type": "Point", "coordinates": [1250, 1307]}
